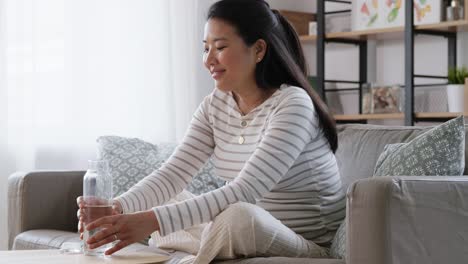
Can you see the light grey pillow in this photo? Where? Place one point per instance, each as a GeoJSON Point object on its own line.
{"type": "Point", "coordinates": [132, 159]}
{"type": "Point", "coordinates": [439, 151]}
{"type": "Point", "coordinates": [338, 246]}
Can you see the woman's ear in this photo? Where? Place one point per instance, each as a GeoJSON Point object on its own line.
{"type": "Point", "coordinates": [260, 49]}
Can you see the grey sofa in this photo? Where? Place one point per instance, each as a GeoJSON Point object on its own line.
{"type": "Point", "coordinates": [389, 219]}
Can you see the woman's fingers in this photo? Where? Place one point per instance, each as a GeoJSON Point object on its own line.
{"type": "Point", "coordinates": [108, 229]}
{"type": "Point", "coordinates": [106, 220]}
{"type": "Point", "coordinates": [103, 234]}
{"type": "Point", "coordinates": [80, 202]}
{"type": "Point", "coordinates": [121, 244]}
{"type": "Point", "coordinates": [106, 240]}
{"type": "Point", "coordinates": [81, 225]}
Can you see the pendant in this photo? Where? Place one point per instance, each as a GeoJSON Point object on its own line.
{"type": "Point", "coordinates": [241, 140]}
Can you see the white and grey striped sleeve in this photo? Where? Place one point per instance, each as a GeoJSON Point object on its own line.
{"type": "Point", "coordinates": [290, 129]}
{"type": "Point", "coordinates": [175, 174]}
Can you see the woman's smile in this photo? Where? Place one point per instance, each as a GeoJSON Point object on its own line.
{"type": "Point", "coordinates": [217, 74]}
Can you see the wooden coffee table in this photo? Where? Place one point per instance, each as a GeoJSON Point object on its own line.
{"type": "Point", "coordinates": [55, 257]}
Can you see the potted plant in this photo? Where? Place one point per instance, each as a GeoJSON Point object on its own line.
{"type": "Point", "coordinates": [455, 88]}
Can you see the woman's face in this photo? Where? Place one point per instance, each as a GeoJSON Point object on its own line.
{"type": "Point", "coordinates": [226, 56]}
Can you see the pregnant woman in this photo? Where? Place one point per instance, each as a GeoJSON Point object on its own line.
{"type": "Point", "coordinates": [271, 138]}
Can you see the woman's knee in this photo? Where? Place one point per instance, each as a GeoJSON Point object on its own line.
{"type": "Point", "coordinates": [240, 210]}
{"type": "Point", "coordinates": [241, 215]}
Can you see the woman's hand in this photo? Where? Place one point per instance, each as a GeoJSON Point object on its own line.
{"type": "Point", "coordinates": [126, 228]}
{"type": "Point", "coordinates": [81, 213]}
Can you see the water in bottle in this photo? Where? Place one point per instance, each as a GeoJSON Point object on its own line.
{"type": "Point", "coordinates": [97, 195]}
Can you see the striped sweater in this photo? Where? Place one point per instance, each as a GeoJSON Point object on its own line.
{"type": "Point", "coordinates": [275, 156]}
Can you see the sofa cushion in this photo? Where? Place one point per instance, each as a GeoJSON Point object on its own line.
{"type": "Point", "coordinates": [132, 159]}
{"type": "Point", "coordinates": [360, 146]}
{"type": "Point", "coordinates": [439, 152]}
{"type": "Point", "coordinates": [280, 260]}
{"type": "Point", "coordinates": [43, 239]}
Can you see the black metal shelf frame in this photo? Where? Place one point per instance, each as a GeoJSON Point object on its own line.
{"type": "Point", "coordinates": [409, 34]}
{"type": "Point", "coordinates": [322, 40]}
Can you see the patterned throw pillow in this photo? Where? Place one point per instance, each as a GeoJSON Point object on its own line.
{"type": "Point", "coordinates": [439, 151]}
{"type": "Point", "coordinates": [132, 159]}
{"type": "Point", "coordinates": [338, 246]}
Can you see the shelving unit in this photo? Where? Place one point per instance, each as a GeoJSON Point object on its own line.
{"type": "Point", "coordinates": [446, 29]}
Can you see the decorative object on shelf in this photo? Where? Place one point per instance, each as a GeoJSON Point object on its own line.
{"type": "Point", "coordinates": [454, 11]}
{"type": "Point", "coordinates": [340, 22]}
{"type": "Point", "coordinates": [313, 28]}
{"type": "Point", "coordinates": [429, 99]}
{"type": "Point", "coordinates": [456, 89]}
{"type": "Point", "coordinates": [381, 99]}
{"type": "Point", "coordinates": [425, 12]}
{"type": "Point", "coordinates": [393, 13]}
{"type": "Point", "coordinates": [365, 14]}
{"type": "Point", "coordinates": [370, 14]}
{"type": "Point", "coordinates": [299, 20]}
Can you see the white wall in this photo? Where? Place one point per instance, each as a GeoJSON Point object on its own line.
{"type": "Point", "coordinates": [204, 79]}
{"type": "Point", "coordinates": [6, 166]}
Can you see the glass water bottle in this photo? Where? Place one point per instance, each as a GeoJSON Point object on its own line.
{"type": "Point", "coordinates": [97, 195]}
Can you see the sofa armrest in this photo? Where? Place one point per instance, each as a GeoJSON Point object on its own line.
{"type": "Point", "coordinates": [43, 200]}
{"type": "Point", "coordinates": [407, 220]}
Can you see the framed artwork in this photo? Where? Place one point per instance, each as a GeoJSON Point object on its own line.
{"type": "Point", "coordinates": [371, 14]}
{"type": "Point", "coordinates": [365, 14]}
{"type": "Point", "coordinates": [425, 12]}
{"type": "Point", "coordinates": [393, 13]}
{"type": "Point", "coordinates": [381, 99]}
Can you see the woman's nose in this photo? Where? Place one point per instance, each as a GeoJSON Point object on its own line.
{"type": "Point", "coordinates": [209, 58]}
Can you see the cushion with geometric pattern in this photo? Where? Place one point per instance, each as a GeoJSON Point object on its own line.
{"type": "Point", "coordinates": [132, 159]}
{"type": "Point", "coordinates": [437, 152]}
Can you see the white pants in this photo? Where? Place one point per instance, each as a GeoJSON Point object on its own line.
{"type": "Point", "coordinates": [241, 230]}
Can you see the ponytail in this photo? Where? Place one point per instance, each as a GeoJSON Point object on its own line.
{"type": "Point", "coordinates": [297, 66]}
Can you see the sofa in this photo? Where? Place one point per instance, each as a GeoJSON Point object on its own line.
{"type": "Point", "coordinates": [400, 219]}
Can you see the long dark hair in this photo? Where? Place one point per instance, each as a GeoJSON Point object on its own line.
{"type": "Point", "coordinates": [284, 61]}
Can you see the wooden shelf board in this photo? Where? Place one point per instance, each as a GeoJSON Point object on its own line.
{"type": "Point", "coordinates": [458, 25]}
{"type": "Point", "coordinates": [439, 115]}
{"type": "Point", "coordinates": [396, 116]}
{"type": "Point", "coordinates": [308, 38]}
{"type": "Point", "coordinates": [382, 33]}
{"type": "Point", "coordinates": [368, 34]}
{"type": "Point", "coordinates": [393, 32]}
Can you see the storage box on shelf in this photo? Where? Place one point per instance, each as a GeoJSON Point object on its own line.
{"type": "Point", "coordinates": [299, 20]}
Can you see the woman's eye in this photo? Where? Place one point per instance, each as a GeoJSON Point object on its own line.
{"type": "Point", "coordinates": [205, 50]}
{"type": "Point", "coordinates": [221, 48]}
